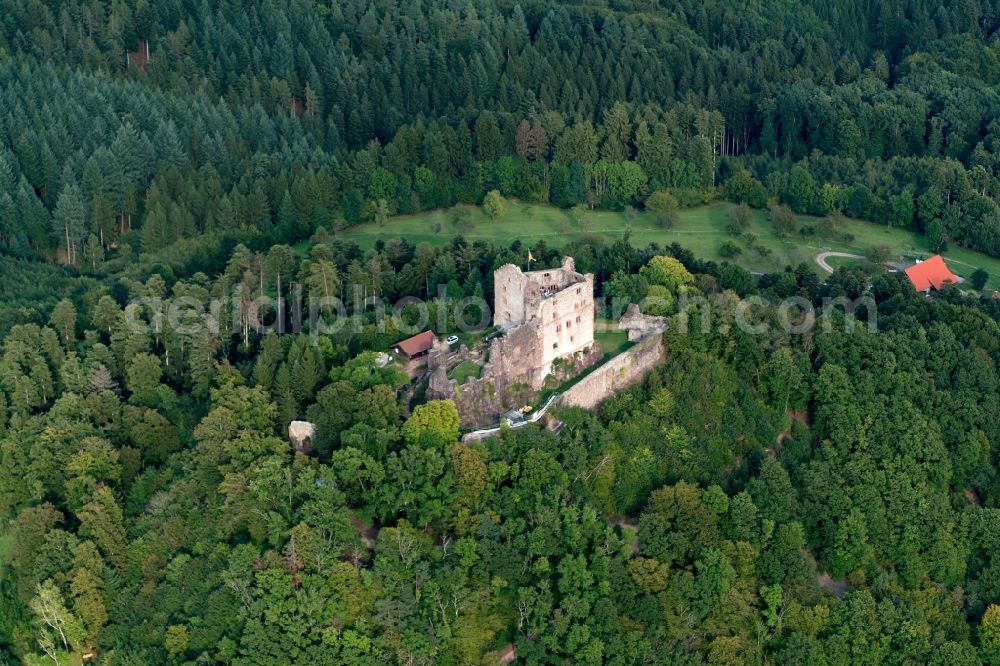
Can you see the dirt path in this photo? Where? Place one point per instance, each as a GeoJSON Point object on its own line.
{"type": "Point", "coordinates": [508, 655]}
{"type": "Point", "coordinates": [632, 523]}
{"type": "Point", "coordinates": [837, 587]}
{"type": "Point", "coordinates": [821, 258]}
{"type": "Point", "coordinates": [366, 533]}
{"type": "Point", "coordinates": [797, 416]}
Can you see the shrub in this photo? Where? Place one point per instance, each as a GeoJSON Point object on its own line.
{"type": "Point", "coordinates": [663, 207]}
{"type": "Point", "coordinates": [464, 221]}
{"type": "Point", "coordinates": [729, 249]}
{"type": "Point", "coordinates": [785, 221]}
{"type": "Point", "coordinates": [739, 219]}
{"type": "Point", "coordinates": [979, 278]}
{"type": "Point", "coordinates": [878, 254]}
{"type": "Point", "coordinates": [494, 204]}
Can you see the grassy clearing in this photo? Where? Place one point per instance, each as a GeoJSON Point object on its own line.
{"type": "Point", "coordinates": [612, 341]}
{"type": "Point", "coordinates": [471, 339]}
{"type": "Point", "coordinates": [701, 230]}
{"type": "Point", "coordinates": [464, 370]}
{"type": "Point", "coordinates": [838, 262]}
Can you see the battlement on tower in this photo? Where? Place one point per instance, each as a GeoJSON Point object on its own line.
{"type": "Point", "coordinates": [521, 297]}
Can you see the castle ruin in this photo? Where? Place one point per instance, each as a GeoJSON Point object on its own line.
{"type": "Point", "coordinates": [547, 322]}
{"type": "Point", "coordinates": [555, 305]}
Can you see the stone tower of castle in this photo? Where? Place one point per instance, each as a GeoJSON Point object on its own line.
{"type": "Point", "coordinates": [550, 312]}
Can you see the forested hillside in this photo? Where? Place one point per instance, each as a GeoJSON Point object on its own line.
{"type": "Point", "coordinates": [770, 494]}
{"type": "Point", "coordinates": [282, 119]}
{"type": "Point", "coordinates": [818, 498]}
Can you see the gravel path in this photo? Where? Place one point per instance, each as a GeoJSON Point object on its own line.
{"type": "Point", "coordinates": [823, 256]}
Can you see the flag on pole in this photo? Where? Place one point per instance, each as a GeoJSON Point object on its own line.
{"type": "Point", "coordinates": [530, 258]}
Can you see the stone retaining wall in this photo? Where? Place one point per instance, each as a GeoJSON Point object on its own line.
{"type": "Point", "coordinates": [623, 371]}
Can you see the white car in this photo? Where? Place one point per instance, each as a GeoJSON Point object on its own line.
{"type": "Point", "coordinates": [452, 340]}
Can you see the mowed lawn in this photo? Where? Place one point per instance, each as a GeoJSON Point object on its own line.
{"type": "Point", "coordinates": [701, 230]}
{"type": "Point", "coordinates": [464, 370]}
{"type": "Point", "coordinates": [837, 262]}
{"type": "Point", "coordinates": [612, 341]}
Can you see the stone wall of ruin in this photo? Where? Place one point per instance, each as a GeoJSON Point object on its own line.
{"type": "Point", "coordinates": [561, 319]}
{"type": "Point", "coordinates": [566, 323]}
{"type": "Point", "coordinates": [623, 371]}
{"type": "Point", "coordinates": [507, 380]}
{"type": "Point", "coordinates": [548, 319]}
{"type": "Point", "coordinates": [510, 286]}
{"type": "Point", "coordinates": [517, 354]}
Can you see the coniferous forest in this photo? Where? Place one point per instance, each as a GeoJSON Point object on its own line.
{"type": "Point", "coordinates": [827, 495]}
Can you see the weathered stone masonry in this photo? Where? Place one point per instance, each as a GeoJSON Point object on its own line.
{"type": "Point", "coordinates": [548, 321]}
{"type": "Point", "coordinates": [623, 371]}
{"type": "Point", "coordinates": [555, 306]}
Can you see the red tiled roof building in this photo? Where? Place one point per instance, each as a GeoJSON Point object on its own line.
{"type": "Point", "coordinates": [418, 345]}
{"type": "Point", "coordinates": [930, 274]}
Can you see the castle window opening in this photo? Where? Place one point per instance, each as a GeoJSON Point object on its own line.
{"type": "Point", "coordinates": [555, 345]}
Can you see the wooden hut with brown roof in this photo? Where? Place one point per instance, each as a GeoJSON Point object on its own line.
{"type": "Point", "coordinates": [417, 346]}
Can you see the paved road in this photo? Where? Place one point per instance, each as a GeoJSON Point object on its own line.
{"type": "Point", "coordinates": [823, 256]}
